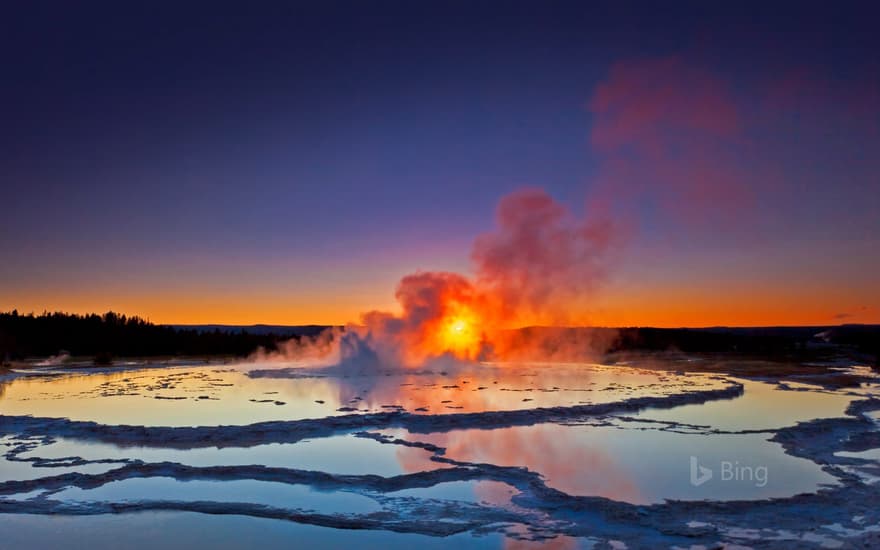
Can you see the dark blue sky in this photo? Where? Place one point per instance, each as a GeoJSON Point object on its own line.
{"type": "Point", "coordinates": [292, 160]}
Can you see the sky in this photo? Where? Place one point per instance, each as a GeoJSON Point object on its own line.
{"type": "Point", "coordinates": [289, 162]}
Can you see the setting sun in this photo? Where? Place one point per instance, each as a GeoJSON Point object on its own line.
{"type": "Point", "coordinates": [459, 335]}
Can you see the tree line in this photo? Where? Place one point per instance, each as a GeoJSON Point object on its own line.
{"type": "Point", "coordinates": [116, 335]}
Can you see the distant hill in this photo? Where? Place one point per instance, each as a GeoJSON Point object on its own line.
{"type": "Point", "coordinates": [758, 340]}
{"type": "Point", "coordinates": [289, 330]}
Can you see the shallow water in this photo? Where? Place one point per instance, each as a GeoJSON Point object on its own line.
{"type": "Point", "coordinates": [489, 478]}
{"type": "Point", "coordinates": [202, 396]}
{"type": "Point", "coordinates": [478, 492]}
{"type": "Point", "coordinates": [872, 454]}
{"type": "Point", "coordinates": [763, 406]}
{"type": "Point", "coordinates": [258, 492]}
{"type": "Point", "coordinates": [168, 396]}
{"type": "Point", "coordinates": [151, 530]}
{"type": "Point", "coordinates": [637, 464]}
{"type": "Point", "coordinates": [344, 454]}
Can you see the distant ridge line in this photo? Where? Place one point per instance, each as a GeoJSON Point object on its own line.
{"type": "Point", "coordinates": [258, 328]}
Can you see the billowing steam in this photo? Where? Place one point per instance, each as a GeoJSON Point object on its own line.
{"type": "Point", "coordinates": [540, 261]}
{"type": "Point", "coordinates": [537, 263]}
{"type": "Point", "coordinates": [663, 132]}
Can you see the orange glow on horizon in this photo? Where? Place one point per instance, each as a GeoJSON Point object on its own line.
{"type": "Point", "coordinates": [658, 307]}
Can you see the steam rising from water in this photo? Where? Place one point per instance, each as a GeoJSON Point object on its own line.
{"type": "Point", "coordinates": [537, 263]}
{"type": "Point", "coordinates": [664, 132]}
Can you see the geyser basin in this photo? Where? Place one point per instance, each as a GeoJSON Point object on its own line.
{"type": "Point", "coordinates": [488, 452]}
{"type": "Point", "coordinates": [245, 393]}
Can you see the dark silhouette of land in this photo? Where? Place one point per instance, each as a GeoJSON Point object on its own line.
{"type": "Point", "coordinates": [110, 335]}
{"type": "Point", "coordinates": [116, 335]}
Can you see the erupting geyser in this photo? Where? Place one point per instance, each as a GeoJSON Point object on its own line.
{"type": "Point", "coordinates": [535, 268]}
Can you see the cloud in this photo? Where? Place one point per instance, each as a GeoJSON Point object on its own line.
{"type": "Point", "coordinates": [670, 134]}
{"type": "Point", "coordinates": [644, 103]}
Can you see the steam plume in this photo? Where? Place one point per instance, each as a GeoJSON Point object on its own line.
{"type": "Point", "coordinates": [664, 132]}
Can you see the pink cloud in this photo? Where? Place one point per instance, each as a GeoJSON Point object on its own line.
{"type": "Point", "coordinates": [641, 102]}
{"type": "Point", "coordinates": [672, 134]}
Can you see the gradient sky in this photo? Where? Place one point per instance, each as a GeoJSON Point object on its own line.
{"type": "Point", "coordinates": [196, 163]}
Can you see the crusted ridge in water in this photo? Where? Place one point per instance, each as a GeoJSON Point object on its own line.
{"type": "Point", "coordinates": [291, 431]}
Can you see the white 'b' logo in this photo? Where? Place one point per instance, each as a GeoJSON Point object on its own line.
{"type": "Point", "coordinates": [699, 474]}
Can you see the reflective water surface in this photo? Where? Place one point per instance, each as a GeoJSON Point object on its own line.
{"type": "Point", "coordinates": [192, 396]}
{"type": "Point", "coordinates": [404, 474]}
